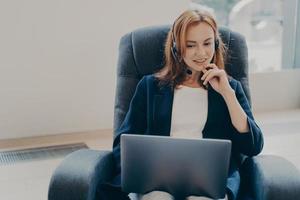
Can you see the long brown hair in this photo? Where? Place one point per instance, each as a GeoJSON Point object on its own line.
{"type": "Point", "coordinates": [174, 70]}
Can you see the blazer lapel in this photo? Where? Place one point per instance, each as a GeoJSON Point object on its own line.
{"type": "Point", "coordinates": [215, 112]}
{"type": "Point", "coordinates": [162, 111]}
{"type": "Point", "coordinates": [209, 110]}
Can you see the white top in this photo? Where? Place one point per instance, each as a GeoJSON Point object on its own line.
{"type": "Point", "coordinates": [189, 113]}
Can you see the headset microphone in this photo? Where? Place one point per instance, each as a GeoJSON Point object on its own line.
{"type": "Point", "coordinates": [189, 72]}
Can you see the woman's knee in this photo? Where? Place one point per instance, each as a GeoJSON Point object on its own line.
{"type": "Point", "coordinates": [202, 198]}
{"type": "Point", "coordinates": [155, 195]}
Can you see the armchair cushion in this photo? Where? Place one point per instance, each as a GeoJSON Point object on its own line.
{"type": "Point", "coordinates": [271, 177]}
{"type": "Point", "coordinates": [78, 176]}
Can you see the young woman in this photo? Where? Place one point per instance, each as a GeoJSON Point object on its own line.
{"type": "Point", "coordinates": [191, 97]}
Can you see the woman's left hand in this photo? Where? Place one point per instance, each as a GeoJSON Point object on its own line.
{"type": "Point", "coordinates": [217, 78]}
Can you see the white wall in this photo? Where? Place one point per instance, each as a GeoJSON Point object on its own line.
{"type": "Point", "coordinates": [274, 91]}
{"type": "Point", "coordinates": [58, 61]}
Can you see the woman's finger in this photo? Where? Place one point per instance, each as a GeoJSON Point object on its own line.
{"type": "Point", "coordinates": [205, 74]}
{"type": "Point", "coordinates": [210, 69]}
{"type": "Point", "coordinates": [212, 65]}
{"type": "Point", "coordinates": [211, 75]}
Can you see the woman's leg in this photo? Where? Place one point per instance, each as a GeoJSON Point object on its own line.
{"type": "Point", "coordinates": [203, 198]}
{"type": "Point", "coordinates": [157, 195]}
{"type": "Point", "coordinates": [109, 192]}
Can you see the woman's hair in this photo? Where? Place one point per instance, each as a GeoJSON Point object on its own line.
{"type": "Point", "coordinates": [174, 70]}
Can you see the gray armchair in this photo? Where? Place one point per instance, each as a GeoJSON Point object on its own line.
{"type": "Point", "coordinates": [264, 177]}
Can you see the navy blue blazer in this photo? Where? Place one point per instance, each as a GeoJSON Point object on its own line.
{"type": "Point", "coordinates": [150, 113]}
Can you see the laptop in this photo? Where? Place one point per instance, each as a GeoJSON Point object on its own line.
{"type": "Point", "coordinates": [181, 167]}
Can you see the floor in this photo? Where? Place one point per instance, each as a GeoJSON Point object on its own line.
{"type": "Point", "coordinates": [282, 134]}
{"type": "Point", "coordinates": [30, 180]}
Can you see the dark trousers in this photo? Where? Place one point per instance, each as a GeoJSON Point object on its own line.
{"type": "Point", "coordinates": [110, 192]}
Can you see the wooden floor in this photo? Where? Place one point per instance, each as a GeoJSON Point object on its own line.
{"type": "Point", "coordinates": [30, 180]}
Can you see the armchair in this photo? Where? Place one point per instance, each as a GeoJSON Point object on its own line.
{"type": "Point", "coordinates": [264, 177]}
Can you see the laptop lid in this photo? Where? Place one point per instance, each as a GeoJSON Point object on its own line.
{"type": "Point", "coordinates": [181, 167]}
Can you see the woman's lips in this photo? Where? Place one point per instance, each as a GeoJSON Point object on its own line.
{"type": "Point", "coordinates": [200, 61]}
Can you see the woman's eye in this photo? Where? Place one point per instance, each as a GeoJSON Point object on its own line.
{"type": "Point", "coordinates": [207, 44]}
{"type": "Point", "coordinates": [190, 46]}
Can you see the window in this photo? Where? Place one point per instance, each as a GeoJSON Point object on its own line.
{"type": "Point", "coordinates": [262, 24]}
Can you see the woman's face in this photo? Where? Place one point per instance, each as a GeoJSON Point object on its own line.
{"type": "Point", "coordinates": [199, 49]}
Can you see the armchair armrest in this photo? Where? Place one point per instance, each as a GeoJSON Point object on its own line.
{"type": "Point", "coordinates": [272, 178]}
{"type": "Point", "coordinates": [79, 174]}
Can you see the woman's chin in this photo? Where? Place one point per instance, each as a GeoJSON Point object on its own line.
{"type": "Point", "coordinates": [199, 68]}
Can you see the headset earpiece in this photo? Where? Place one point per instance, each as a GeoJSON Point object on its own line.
{"type": "Point", "coordinates": [174, 46]}
{"type": "Point", "coordinates": [217, 44]}
{"type": "Point", "coordinates": [174, 50]}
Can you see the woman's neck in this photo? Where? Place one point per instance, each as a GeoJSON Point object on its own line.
{"type": "Point", "coordinates": [192, 80]}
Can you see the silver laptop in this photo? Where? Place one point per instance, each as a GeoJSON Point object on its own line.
{"type": "Point", "coordinates": [181, 167]}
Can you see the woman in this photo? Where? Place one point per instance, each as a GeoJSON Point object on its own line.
{"type": "Point", "coordinates": [193, 75]}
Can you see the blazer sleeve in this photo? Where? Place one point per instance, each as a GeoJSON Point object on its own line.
{"type": "Point", "coordinates": [250, 143]}
{"type": "Point", "coordinates": [134, 122]}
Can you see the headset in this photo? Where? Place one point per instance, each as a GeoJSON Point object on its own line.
{"type": "Point", "coordinates": [174, 46]}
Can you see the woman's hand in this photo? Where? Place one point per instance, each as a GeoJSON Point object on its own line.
{"type": "Point", "coordinates": [217, 78]}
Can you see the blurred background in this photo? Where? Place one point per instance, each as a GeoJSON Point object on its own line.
{"type": "Point", "coordinates": [261, 22]}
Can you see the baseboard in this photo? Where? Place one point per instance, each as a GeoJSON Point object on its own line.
{"type": "Point", "coordinates": [95, 138]}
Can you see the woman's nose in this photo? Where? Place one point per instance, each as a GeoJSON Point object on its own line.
{"type": "Point", "coordinates": [200, 51]}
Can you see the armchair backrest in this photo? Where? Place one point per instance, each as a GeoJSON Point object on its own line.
{"type": "Point", "coordinates": [141, 52]}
